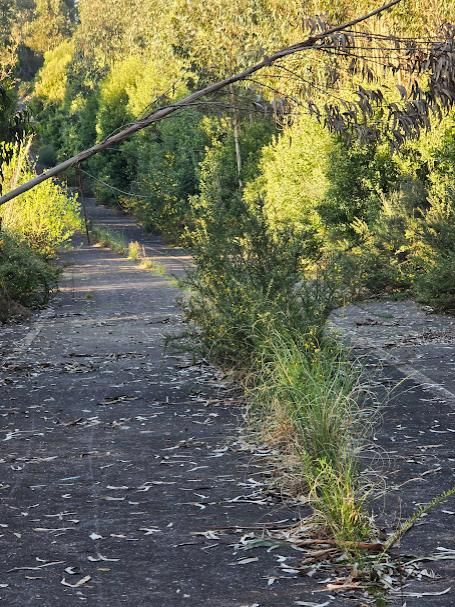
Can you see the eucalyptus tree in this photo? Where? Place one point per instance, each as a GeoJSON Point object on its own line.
{"type": "Point", "coordinates": [52, 22]}
{"type": "Point", "coordinates": [345, 92]}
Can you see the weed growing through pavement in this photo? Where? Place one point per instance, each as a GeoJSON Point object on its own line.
{"type": "Point", "coordinates": [310, 399]}
{"type": "Point", "coordinates": [111, 240]}
{"type": "Point", "coordinates": [133, 250]}
{"type": "Point", "coordinates": [307, 399]}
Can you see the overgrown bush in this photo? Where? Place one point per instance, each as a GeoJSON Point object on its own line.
{"type": "Point", "coordinates": [44, 218]}
{"type": "Point", "coordinates": [24, 276]}
{"type": "Point", "coordinates": [245, 279]}
{"type": "Point", "coordinates": [292, 178]}
{"type": "Point", "coordinates": [167, 174]}
{"type": "Point", "coordinates": [436, 286]}
{"type": "Point", "coordinates": [257, 311]}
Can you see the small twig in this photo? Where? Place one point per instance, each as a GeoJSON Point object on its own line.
{"type": "Point", "coordinates": [411, 521]}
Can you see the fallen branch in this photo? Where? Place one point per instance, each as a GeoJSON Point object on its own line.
{"type": "Point", "coordinates": [187, 101]}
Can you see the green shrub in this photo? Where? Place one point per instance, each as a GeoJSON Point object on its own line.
{"type": "Point", "coordinates": [47, 156]}
{"type": "Point", "coordinates": [358, 175]}
{"type": "Point", "coordinates": [24, 276]}
{"type": "Point", "coordinates": [46, 217]}
{"type": "Point", "coordinates": [292, 177]}
{"type": "Point", "coordinates": [436, 286]}
{"type": "Point", "coordinates": [247, 277]}
{"type": "Point", "coordinates": [167, 174]}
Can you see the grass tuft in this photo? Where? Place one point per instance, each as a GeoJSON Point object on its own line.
{"type": "Point", "coordinates": [111, 240]}
{"type": "Point", "coordinates": [133, 250]}
{"type": "Point", "coordinates": [310, 396]}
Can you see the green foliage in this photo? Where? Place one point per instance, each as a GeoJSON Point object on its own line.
{"type": "Point", "coordinates": [9, 39]}
{"type": "Point", "coordinates": [25, 277]}
{"type": "Point", "coordinates": [8, 100]}
{"type": "Point", "coordinates": [309, 399]}
{"type": "Point", "coordinates": [51, 23]}
{"type": "Point", "coordinates": [51, 81]}
{"type": "Point", "coordinates": [167, 173]}
{"type": "Point", "coordinates": [112, 240]}
{"type": "Point", "coordinates": [230, 294]}
{"type": "Point", "coordinates": [357, 176]}
{"type": "Point", "coordinates": [246, 278]}
{"type": "Point", "coordinates": [293, 174]}
{"type": "Point", "coordinates": [128, 91]}
{"type": "Point", "coordinates": [46, 156]}
{"type": "Point", "coordinates": [436, 286]}
{"type": "Point", "coordinates": [45, 217]}
{"type": "Point", "coordinates": [256, 311]}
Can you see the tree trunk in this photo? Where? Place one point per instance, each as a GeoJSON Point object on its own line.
{"type": "Point", "coordinates": [236, 129]}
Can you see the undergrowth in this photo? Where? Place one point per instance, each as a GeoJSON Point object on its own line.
{"type": "Point", "coordinates": [112, 240]}
{"type": "Point", "coordinates": [133, 250]}
{"type": "Point", "coordinates": [259, 311]}
{"type": "Point", "coordinates": [44, 218]}
{"type": "Point", "coordinates": [309, 395]}
{"type": "Point", "coordinates": [34, 227]}
{"type": "Point", "coordinates": [25, 277]}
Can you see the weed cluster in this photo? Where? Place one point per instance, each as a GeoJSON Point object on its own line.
{"type": "Point", "coordinates": [133, 249]}
{"type": "Point", "coordinates": [112, 240]}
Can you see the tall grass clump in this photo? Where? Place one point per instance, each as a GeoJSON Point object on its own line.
{"type": "Point", "coordinates": [109, 239]}
{"type": "Point", "coordinates": [308, 399]}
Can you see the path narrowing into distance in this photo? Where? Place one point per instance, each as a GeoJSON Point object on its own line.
{"type": "Point", "coordinates": [116, 454]}
{"type": "Point", "coordinates": [119, 458]}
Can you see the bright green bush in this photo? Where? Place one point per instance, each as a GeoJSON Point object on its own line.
{"type": "Point", "coordinates": [358, 175]}
{"type": "Point", "coordinates": [293, 174]}
{"type": "Point", "coordinates": [45, 217]}
{"type": "Point", "coordinates": [52, 79]}
{"type": "Point", "coordinates": [435, 282]}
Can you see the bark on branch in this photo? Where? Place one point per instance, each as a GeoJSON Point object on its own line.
{"type": "Point", "coordinates": [165, 111]}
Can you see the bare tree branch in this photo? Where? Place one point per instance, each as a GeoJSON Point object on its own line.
{"type": "Point", "coordinates": [165, 111]}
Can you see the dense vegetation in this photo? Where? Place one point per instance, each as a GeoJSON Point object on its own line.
{"type": "Point", "coordinates": [38, 223]}
{"type": "Point", "coordinates": [287, 212]}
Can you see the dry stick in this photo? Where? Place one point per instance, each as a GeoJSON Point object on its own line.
{"type": "Point", "coordinates": [170, 109]}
